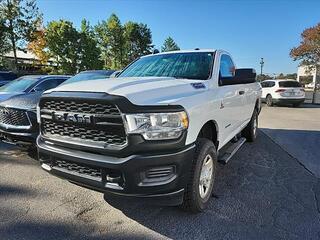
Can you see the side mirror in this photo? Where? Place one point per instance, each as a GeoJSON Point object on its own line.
{"type": "Point", "coordinates": [242, 76]}
{"type": "Point", "coordinates": [246, 75]}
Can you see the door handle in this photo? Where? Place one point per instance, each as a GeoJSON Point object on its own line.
{"type": "Point", "coordinates": [241, 92]}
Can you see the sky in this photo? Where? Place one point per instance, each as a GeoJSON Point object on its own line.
{"type": "Point", "coordinates": [247, 29]}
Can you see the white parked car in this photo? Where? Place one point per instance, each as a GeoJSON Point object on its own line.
{"type": "Point", "coordinates": [154, 132]}
{"type": "Point", "coordinates": [284, 91]}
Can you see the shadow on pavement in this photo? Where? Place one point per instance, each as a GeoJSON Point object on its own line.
{"type": "Point", "coordinates": [262, 193]}
{"type": "Point", "coordinates": [309, 105]}
{"type": "Point", "coordinates": [29, 230]}
{"type": "Point", "coordinates": [10, 190]}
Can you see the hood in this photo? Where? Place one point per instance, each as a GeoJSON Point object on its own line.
{"type": "Point", "coordinates": [140, 90]}
{"type": "Point", "coordinates": [26, 101]}
{"type": "Point", "coordinates": [4, 95]}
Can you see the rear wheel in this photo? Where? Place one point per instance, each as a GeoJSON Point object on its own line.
{"type": "Point", "coordinates": [250, 131]}
{"type": "Point", "coordinates": [202, 176]}
{"type": "Point", "coordinates": [269, 101]}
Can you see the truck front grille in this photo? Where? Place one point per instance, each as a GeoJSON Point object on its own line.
{"type": "Point", "coordinates": [55, 129]}
{"type": "Point", "coordinates": [78, 169]}
{"type": "Point", "coordinates": [81, 107]}
{"type": "Point", "coordinates": [109, 178]}
{"type": "Point", "coordinates": [13, 117]}
{"type": "Point", "coordinates": [97, 125]}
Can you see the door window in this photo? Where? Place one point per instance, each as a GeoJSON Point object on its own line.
{"type": "Point", "coordinates": [227, 68]}
{"type": "Point", "coordinates": [267, 84]}
{"type": "Point", "coordinates": [264, 84]}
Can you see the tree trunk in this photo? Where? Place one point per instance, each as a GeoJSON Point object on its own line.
{"type": "Point", "coordinates": [14, 47]}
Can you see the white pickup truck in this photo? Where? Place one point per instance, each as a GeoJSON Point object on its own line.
{"type": "Point", "coordinates": [156, 131]}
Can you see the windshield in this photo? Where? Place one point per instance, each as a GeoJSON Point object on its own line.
{"type": "Point", "coordinates": [84, 76]}
{"type": "Point", "coordinates": [289, 84]}
{"type": "Point", "coordinates": [178, 65]}
{"type": "Point", "coordinates": [19, 85]}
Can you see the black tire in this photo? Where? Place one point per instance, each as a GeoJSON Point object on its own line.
{"type": "Point", "coordinates": [250, 131]}
{"type": "Point", "coordinates": [269, 101]}
{"type": "Point", "coordinates": [192, 201]}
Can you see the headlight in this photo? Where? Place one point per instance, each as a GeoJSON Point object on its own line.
{"type": "Point", "coordinates": [157, 126]}
{"type": "Point", "coordinates": [38, 114]}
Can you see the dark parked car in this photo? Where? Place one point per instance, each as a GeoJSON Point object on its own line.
{"type": "Point", "coordinates": [90, 75]}
{"type": "Point", "coordinates": [6, 77]}
{"type": "Point", "coordinates": [18, 114]}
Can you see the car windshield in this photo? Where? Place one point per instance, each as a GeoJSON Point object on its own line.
{"type": "Point", "coordinates": [178, 65]}
{"type": "Point", "coordinates": [19, 85]}
{"type": "Point", "coordinates": [84, 76]}
{"type": "Point", "coordinates": [289, 84]}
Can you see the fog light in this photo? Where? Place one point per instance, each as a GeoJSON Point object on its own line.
{"type": "Point", "coordinates": [46, 167]}
{"type": "Point", "coordinates": [160, 172]}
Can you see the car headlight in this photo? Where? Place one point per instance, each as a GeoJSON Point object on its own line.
{"type": "Point", "coordinates": [157, 126]}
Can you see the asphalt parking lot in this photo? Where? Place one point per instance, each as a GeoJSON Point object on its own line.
{"type": "Point", "coordinates": [297, 131]}
{"type": "Point", "coordinates": [266, 191]}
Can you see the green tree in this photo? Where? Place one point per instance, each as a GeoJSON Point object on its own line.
{"type": "Point", "coordinates": [308, 52]}
{"type": "Point", "coordinates": [89, 51]}
{"type": "Point", "coordinates": [263, 77]}
{"type": "Point", "coordinates": [169, 45]}
{"type": "Point", "coordinates": [138, 40]}
{"type": "Point", "coordinates": [73, 50]}
{"type": "Point", "coordinates": [281, 76]}
{"type": "Point", "coordinates": [111, 41]}
{"type": "Point", "coordinates": [287, 76]}
{"type": "Point", "coordinates": [5, 46]}
{"type": "Point", "coordinates": [121, 44]}
{"type": "Point", "coordinates": [63, 44]}
{"type": "Point", "coordinates": [291, 76]}
{"type": "Point", "coordinates": [21, 19]}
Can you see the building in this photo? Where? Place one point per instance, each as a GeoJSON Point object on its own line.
{"type": "Point", "coordinates": [28, 63]}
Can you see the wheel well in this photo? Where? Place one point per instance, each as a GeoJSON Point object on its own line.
{"type": "Point", "coordinates": [210, 131]}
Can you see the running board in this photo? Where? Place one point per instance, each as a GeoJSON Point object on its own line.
{"type": "Point", "coordinates": [226, 153]}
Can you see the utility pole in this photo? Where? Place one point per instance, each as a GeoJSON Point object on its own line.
{"type": "Point", "coordinates": [261, 64]}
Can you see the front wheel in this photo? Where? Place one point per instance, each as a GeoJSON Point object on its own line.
{"type": "Point", "coordinates": [250, 131]}
{"type": "Point", "coordinates": [202, 176]}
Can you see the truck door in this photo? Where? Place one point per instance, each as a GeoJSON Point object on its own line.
{"type": "Point", "coordinates": [232, 99]}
